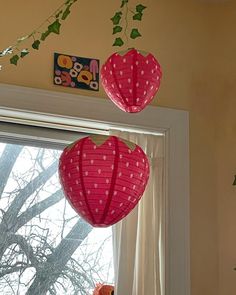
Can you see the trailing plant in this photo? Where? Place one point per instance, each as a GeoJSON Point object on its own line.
{"type": "Point", "coordinates": [120, 22]}
{"type": "Point", "coordinates": [51, 25]}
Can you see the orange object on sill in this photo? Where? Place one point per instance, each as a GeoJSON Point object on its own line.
{"type": "Point", "coordinates": [103, 290]}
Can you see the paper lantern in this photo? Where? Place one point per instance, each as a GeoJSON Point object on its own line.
{"type": "Point", "coordinates": [103, 177]}
{"type": "Point", "coordinates": [131, 79]}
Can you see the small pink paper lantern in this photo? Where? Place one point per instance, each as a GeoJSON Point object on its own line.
{"type": "Point", "coordinates": [103, 177]}
{"type": "Point", "coordinates": [131, 80]}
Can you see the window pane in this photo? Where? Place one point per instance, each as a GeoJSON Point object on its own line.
{"type": "Point", "coordinates": [45, 248]}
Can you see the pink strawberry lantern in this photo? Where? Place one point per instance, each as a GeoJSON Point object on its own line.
{"type": "Point", "coordinates": [103, 178]}
{"type": "Point", "coordinates": [131, 79]}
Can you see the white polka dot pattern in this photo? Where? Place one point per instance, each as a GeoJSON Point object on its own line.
{"type": "Point", "coordinates": [105, 190]}
{"type": "Point", "coordinates": [133, 82]}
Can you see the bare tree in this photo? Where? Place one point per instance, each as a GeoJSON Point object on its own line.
{"type": "Point", "coordinates": [34, 257]}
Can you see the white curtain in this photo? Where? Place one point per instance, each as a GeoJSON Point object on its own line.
{"type": "Point", "coordinates": [138, 240]}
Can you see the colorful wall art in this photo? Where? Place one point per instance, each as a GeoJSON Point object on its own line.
{"type": "Point", "coordinates": [76, 72]}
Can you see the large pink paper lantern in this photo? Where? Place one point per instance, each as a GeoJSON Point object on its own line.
{"type": "Point", "coordinates": [131, 80]}
{"type": "Point", "coordinates": [103, 177]}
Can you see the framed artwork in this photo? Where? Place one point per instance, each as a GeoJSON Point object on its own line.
{"type": "Point", "coordinates": [76, 72]}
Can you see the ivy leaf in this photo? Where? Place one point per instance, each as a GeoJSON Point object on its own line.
{"type": "Point", "coordinates": [24, 52]}
{"type": "Point", "coordinates": [117, 29]}
{"type": "Point", "coordinates": [45, 35]}
{"type": "Point", "coordinates": [140, 8]}
{"type": "Point", "coordinates": [36, 44]}
{"type": "Point", "coordinates": [59, 13]}
{"type": "Point", "coordinates": [123, 3]}
{"type": "Point", "coordinates": [116, 18]}
{"type": "Point", "coordinates": [54, 27]}
{"type": "Point", "coordinates": [135, 34]}
{"type": "Point", "coordinates": [70, 1]}
{"type": "Point", "coordinates": [14, 59]}
{"type": "Point", "coordinates": [6, 51]}
{"type": "Point", "coordinates": [66, 12]}
{"type": "Point", "coordinates": [118, 42]}
{"type": "Point", "coordinates": [138, 16]}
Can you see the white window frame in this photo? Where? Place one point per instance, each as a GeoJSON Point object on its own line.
{"type": "Point", "coordinates": [72, 112]}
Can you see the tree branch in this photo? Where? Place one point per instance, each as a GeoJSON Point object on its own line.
{"type": "Point", "coordinates": [12, 269]}
{"type": "Point", "coordinates": [37, 209]}
{"type": "Point", "coordinates": [78, 275]}
{"type": "Point", "coordinates": [10, 216]}
{"type": "Point", "coordinates": [52, 268]}
{"type": "Point", "coordinates": [7, 161]}
{"type": "Point", "coordinates": [25, 246]}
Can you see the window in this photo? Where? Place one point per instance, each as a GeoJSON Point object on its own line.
{"type": "Point", "coordinates": [35, 107]}
{"type": "Point", "coordinates": [45, 248]}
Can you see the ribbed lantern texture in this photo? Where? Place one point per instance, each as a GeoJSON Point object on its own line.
{"type": "Point", "coordinates": [103, 177]}
{"type": "Point", "coordinates": [131, 80]}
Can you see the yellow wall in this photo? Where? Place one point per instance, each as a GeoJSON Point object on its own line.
{"type": "Point", "coordinates": [225, 71]}
{"type": "Point", "coordinates": [185, 36]}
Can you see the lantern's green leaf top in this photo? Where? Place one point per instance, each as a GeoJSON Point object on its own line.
{"type": "Point", "coordinates": [24, 52]}
{"type": "Point", "coordinates": [123, 3]}
{"type": "Point", "coordinates": [117, 29]}
{"type": "Point", "coordinates": [140, 8]}
{"type": "Point", "coordinates": [116, 18]}
{"type": "Point", "coordinates": [135, 34]}
{"type": "Point", "coordinates": [54, 27]}
{"type": "Point", "coordinates": [14, 59]}
{"type": "Point", "coordinates": [138, 16]}
{"type": "Point", "coordinates": [118, 42]}
{"type": "Point", "coordinates": [36, 44]}
{"type": "Point", "coordinates": [101, 139]}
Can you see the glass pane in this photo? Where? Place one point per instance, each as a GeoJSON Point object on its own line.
{"type": "Point", "coordinates": [45, 248]}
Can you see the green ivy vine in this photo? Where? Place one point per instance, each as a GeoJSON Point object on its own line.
{"type": "Point", "coordinates": [51, 25]}
{"type": "Point", "coordinates": [120, 22]}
